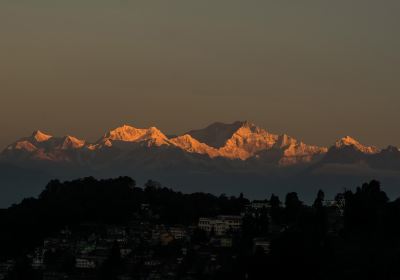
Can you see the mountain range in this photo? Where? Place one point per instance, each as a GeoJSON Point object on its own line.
{"type": "Point", "coordinates": [219, 158]}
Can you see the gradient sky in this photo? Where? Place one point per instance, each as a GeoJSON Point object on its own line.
{"type": "Point", "coordinates": [317, 70]}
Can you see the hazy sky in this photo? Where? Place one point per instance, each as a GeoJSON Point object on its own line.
{"type": "Point", "coordinates": [317, 70]}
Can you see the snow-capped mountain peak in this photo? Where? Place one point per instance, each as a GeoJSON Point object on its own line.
{"type": "Point", "coordinates": [128, 133]}
{"type": "Point", "coordinates": [70, 142]}
{"type": "Point", "coordinates": [240, 140]}
{"type": "Point", "coordinates": [244, 140]}
{"type": "Point", "coordinates": [348, 141]}
{"type": "Point", "coordinates": [39, 136]}
{"type": "Point", "coordinates": [191, 145]}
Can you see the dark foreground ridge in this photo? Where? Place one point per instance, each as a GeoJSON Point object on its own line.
{"type": "Point", "coordinates": [112, 229]}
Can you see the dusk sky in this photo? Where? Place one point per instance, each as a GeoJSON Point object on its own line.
{"type": "Point", "coordinates": [317, 70]}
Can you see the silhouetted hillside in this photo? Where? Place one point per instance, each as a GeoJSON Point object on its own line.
{"type": "Point", "coordinates": [354, 236]}
{"type": "Point", "coordinates": [112, 201]}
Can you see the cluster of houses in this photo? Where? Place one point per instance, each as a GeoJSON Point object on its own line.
{"type": "Point", "coordinates": [5, 268]}
{"type": "Point", "coordinates": [221, 225]}
{"type": "Point", "coordinates": [140, 246]}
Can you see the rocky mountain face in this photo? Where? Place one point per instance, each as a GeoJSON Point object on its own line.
{"type": "Point", "coordinates": [236, 141]}
{"type": "Point", "coordinates": [241, 144]}
{"type": "Point", "coordinates": [235, 156]}
{"type": "Point", "coordinates": [244, 140]}
{"type": "Point", "coordinates": [42, 147]}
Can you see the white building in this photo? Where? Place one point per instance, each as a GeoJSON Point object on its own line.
{"type": "Point", "coordinates": [221, 224]}
{"type": "Point", "coordinates": [85, 263]}
{"type": "Point", "coordinates": [260, 204]}
{"type": "Point", "coordinates": [38, 259]}
{"type": "Point", "coordinates": [265, 245]}
{"type": "Point", "coordinates": [178, 232]}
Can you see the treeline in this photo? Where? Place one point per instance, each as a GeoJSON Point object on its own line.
{"type": "Point", "coordinates": [359, 240]}
{"type": "Point", "coordinates": [112, 201]}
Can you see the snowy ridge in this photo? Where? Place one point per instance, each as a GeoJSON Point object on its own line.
{"type": "Point", "coordinates": [241, 140]}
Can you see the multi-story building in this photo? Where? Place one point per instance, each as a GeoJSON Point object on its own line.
{"type": "Point", "coordinates": [5, 268]}
{"type": "Point", "coordinates": [260, 204]}
{"type": "Point", "coordinates": [263, 244]}
{"type": "Point", "coordinates": [178, 232]}
{"type": "Point", "coordinates": [38, 259]}
{"type": "Point", "coordinates": [85, 263]}
{"type": "Point", "coordinates": [221, 224]}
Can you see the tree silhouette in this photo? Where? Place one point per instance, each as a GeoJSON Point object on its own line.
{"type": "Point", "coordinates": [293, 207]}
